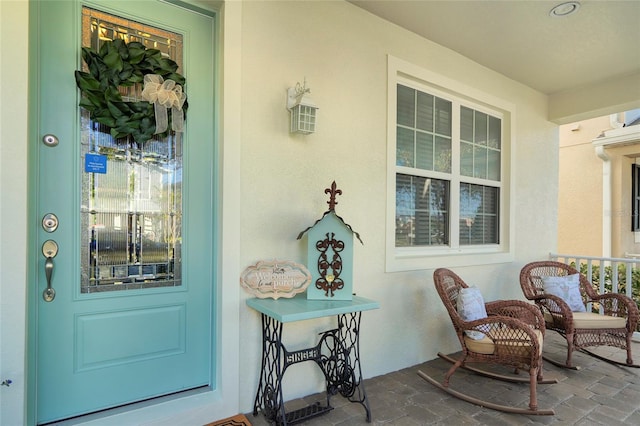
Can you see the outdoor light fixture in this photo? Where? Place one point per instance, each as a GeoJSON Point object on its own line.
{"type": "Point", "coordinates": [564, 9]}
{"type": "Point", "coordinates": [302, 109]}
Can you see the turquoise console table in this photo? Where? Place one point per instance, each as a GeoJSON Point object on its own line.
{"type": "Point", "coordinates": [337, 354]}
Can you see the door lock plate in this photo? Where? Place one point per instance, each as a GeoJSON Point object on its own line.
{"type": "Point", "coordinates": [50, 249]}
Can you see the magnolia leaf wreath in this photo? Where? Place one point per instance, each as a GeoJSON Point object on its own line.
{"type": "Point", "coordinates": [125, 64]}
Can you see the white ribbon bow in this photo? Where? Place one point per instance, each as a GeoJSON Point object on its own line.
{"type": "Point", "coordinates": [164, 95]}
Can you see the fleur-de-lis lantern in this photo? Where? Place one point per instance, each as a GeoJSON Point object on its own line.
{"type": "Point", "coordinates": [330, 244]}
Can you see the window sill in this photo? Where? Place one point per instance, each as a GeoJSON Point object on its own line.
{"type": "Point", "coordinates": [410, 260]}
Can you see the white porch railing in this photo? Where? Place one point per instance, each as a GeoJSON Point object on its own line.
{"type": "Point", "coordinates": [600, 270]}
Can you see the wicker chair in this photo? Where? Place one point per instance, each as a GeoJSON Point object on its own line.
{"type": "Point", "coordinates": [581, 329]}
{"type": "Point", "coordinates": [513, 336]}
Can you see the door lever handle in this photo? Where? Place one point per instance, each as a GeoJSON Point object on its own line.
{"type": "Point", "coordinates": [49, 293]}
{"type": "Point", "coordinates": [49, 250]}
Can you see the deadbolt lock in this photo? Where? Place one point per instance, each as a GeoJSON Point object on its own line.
{"type": "Point", "coordinates": [50, 222]}
{"type": "Point", "coordinates": [50, 140]}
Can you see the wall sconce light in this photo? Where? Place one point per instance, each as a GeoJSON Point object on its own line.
{"type": "Point", "coordinates": [302, 109]}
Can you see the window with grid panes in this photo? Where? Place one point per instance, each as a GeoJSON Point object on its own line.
{"type": "Point", "coordinates": [448, 172]}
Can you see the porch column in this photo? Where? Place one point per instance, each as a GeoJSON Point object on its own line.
{"type": "Point", "coordinates": [606, 200]}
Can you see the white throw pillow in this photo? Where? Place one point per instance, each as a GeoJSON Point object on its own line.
{"type": "Point", "coordinates": [567, 288]}
{"type": "Point", "coordinates": [471, 307]}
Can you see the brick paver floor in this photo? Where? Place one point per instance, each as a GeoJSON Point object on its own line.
{"type": "Point", "coordinates": [597, 394]}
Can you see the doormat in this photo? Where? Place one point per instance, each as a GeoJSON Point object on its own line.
{"type": "Point", "coordinates": [237, 420]}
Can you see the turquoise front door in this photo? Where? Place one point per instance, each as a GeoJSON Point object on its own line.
{"type": "Point", "coordinates": [123, 229]}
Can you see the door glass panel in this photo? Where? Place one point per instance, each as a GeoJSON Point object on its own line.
{"type": "Point", "coordinates": [131, 211]}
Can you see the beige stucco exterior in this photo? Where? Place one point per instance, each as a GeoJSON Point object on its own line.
{"type": "Point", "coordinates": [594, 196]}
{"type": "Point", "coordinates": [580, 190]}
{"type": "Point", "coordinates": [271, 186]}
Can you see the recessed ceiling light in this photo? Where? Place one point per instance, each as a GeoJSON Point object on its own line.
{"type": "Point", "coordinates": [565, 9]}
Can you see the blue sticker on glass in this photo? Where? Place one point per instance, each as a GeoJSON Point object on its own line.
{"type": "Point", "coordinates": [95, 163]}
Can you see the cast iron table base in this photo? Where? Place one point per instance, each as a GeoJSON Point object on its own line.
{"type": "Point", "coordinates": [337, 355]}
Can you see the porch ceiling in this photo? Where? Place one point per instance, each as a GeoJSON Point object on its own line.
{"type": "Point", "coordinates": [517, 38]}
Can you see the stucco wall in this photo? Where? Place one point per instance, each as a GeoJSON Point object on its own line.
{"type": "Point", "coordinates": [274, 188]}
{"type": "Point", "coordinates": [13, 208]}
{"type": "Point", "coordinates": [342, 52]}
{"type": "Point", "coordinates": [580, 192]}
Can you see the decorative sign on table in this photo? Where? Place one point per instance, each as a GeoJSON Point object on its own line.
{"type": "Point", "coordinates": [275, 278]}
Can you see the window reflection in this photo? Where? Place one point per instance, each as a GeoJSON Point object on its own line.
{"type": "Point", "coordinates": [422, 215]}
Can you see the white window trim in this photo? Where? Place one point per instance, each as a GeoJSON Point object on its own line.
{"type": "Point", "coordinates": [418, 258]}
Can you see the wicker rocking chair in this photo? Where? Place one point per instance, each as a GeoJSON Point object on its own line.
{"type": "Point", "coordinates": [581, 329]}
{"type": "Point", "coordinates": [513, 333]}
